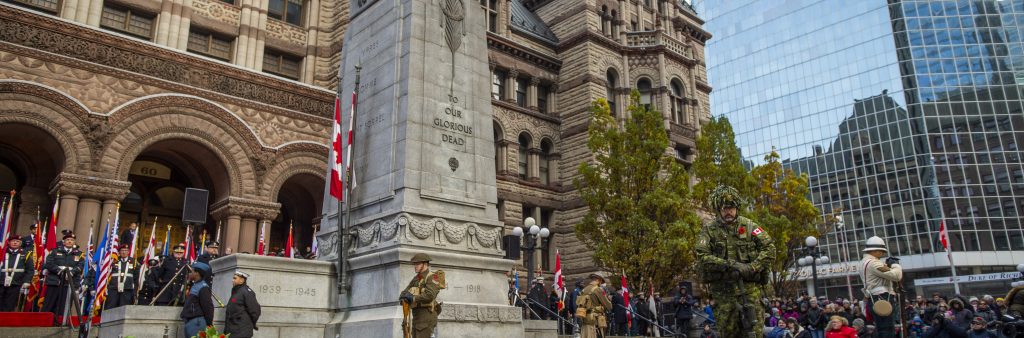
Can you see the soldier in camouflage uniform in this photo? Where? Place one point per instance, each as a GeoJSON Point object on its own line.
{"type": "Point", "coordinates": [733, 256]}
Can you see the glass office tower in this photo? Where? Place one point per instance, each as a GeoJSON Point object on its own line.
{"type": "Point", "coordinates": [906, 115]}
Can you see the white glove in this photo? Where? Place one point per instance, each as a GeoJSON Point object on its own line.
{"type": "Point", "coordinates": [24, 288]}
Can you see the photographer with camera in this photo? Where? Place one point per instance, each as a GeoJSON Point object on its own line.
{"type": "Point", "coordinates": [879, 279]}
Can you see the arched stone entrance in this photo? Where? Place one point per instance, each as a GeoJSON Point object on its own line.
{"type": "Point", "coordinates": [30, 160]}
{"type": "Point", "coordinates": [159, 176]}
{"type": "Point", "coordinates": [301, 199]}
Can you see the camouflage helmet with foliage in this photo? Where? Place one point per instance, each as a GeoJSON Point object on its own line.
{"type": "Point", "coordinates": [725, 196]}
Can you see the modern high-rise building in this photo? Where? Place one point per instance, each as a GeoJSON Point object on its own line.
{"type": "Point", "coordinates": [906, 115]}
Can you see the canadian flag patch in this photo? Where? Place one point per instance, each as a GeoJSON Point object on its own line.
{"type": "Point", "coordinates": [758, 231]}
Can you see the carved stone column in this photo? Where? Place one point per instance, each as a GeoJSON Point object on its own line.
{"type": "Point", "coordinates": [33, 201]}
{"type": "Point", "coordinates": [242, 214]}
{"type": "Point", "coordinates": [533, 165]}
{"type": "Point", "coordinates": [510, 85]}
{"type": "Point", "coordinates": [91, 191]}
{"type": "Point", "coordinates": [553, 173]}
{"type": "Point", "coordinates": [67, 212]}
{"type": "Point", "coordinates": [531, 93]}
{"type": "Point", "coordinates": [501, 157]}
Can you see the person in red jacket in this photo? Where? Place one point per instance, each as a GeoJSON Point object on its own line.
{"type": "Point", "coordinates": [838, 327]}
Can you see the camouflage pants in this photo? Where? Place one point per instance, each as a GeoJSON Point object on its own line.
{"type": "Point", "coordinates": [728, 310]}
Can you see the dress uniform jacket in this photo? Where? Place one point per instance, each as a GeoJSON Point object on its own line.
{"type": "Point", "coordinates": [169, 274]}
{"type": "Point", "coordinates": [16, 270]}
{"type": "Point", "coordinates": [121, 287]}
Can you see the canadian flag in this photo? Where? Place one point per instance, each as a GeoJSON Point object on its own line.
{"type": "Point", "coordinates": [259, 248]}
{"type": "Point", "coordinates": [942, 235]}
{"type": "Point", "coordinates": [559, 281]}
{"type": "Point", "coordinates": [337, 180]}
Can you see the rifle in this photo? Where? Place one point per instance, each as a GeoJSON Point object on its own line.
{"type": "Point", "coordinates": [746, 312]}
{"type": "Point", "coordinates": [406, 319]}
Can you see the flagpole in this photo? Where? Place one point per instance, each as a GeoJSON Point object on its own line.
{"type": "Point", "coordinates": [944, 234]}
{"type": "Point", "coordinates": [342, 227]}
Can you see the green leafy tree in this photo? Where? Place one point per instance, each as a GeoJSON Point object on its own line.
{"type": "Point", "coordinates": [781, 207]}
{"type": "Point", "coordinates": [718, 161]}
{"type": "Point", "coordinates": [640, 220]}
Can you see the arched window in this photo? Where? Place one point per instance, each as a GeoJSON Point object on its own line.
{"type": "Point", "coordinates": [678, 102]}
{"type": "Point", "coordinates": [499, 149]}
{"type": "Point", "coordinates": [644, 87]}
{"type": "Point", "coordinates": [545, 160]}
{"type": "Point", "coordinates": [524, 156]}
{"type": "Point", "coordinates": [611, 78]}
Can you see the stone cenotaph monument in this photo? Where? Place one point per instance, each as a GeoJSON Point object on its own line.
{"type": "Point", "coordinates": [423, 161]}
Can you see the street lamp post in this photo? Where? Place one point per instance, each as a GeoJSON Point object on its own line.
{"type": "Point", "coordinates": [530, 237]}
{"type": "Point", "coordinates": [813, 258]}
{"type": "Point", "coordinates": [846, 250]}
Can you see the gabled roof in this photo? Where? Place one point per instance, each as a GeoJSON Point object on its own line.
{"type": "Point", "coordinates": [526, 22]}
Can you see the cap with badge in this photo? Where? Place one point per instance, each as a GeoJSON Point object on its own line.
{"type": "Point", "coordinates": [180, 248]}
{"type": "Point", "coordinates": [67, 234]}
{"type": "Point", "coordinates": [242, 274]}
{"type": "Point", "coordinates": [212, 244]}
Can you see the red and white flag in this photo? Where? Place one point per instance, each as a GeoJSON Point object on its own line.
{"type": "Point", "coordinates": [150, 253]}
{"type": "Point", "coordinates": [942, 235]}
{"type": "Point", "coordinates": [259, 247]}
{"type": "Point", "coordinates": [288, 252]}
{"type": "Point", "coordinates": [559, 281]}
{"type": "Point", "coordinates": [337, 178]}
{"type": "Point", "coordinates": [625, 299]}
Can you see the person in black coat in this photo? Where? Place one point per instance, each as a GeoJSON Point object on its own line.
{"type": "Point", "coordinates": [128, 235]}
{"type": "Point", "coordinates": [151, 285]}
{"type": "Point", "coordinates": [212, 252]}
{"type": "Point", "coordinates": [28, 242]}
{"type": "Point", "coordinates": [643, 308]}
{"type": "Point", "coordinates": [538, 299]}
{"type": "Point", "coordinates": [945, 327]}
{"type": "Point", "coordinates": [16, 272]}
{"type": "Point", "coordinates": [172, 277]}
{"type": "Point", "coordinates": [64, 274]}
{"type": "Point", "coordinates": [619, 313]}
{"type": "Point", "coordinates": [243, 311]}
{"type": "Point", "coordinates": [684, 309]}
{"type": "Point", "coordinates": [121, 287]}
{"type": "Point", "coordinates": [197, 312]}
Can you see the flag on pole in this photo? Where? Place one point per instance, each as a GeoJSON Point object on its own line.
{"type": "Point", "coordinates": [190, 248]}
{"type": "Point", "coordinates": [150, 253]}
{"type": "Point", "coordinates": [5, 224]}
{"type": "Point", "coordinates": [260, 246]}
{"type": "Point", "coordinates": [625, 299]}
{"type": "Point", "coordinates": [37, 249]}
{"type": "Point", "coordinates": [49, 244]}
{"type": "Point", "coordinates": [167, 242]}
{"type": "Point", "coordinates": [516, 280]}
{"type": "Point", "coordinates": [942, 235]}
{"type": "Point", "coordinates": [202, 242]}
{"type": "Point", "coordinates": [559, 281]}
{"type": "Point", "coordinates": [288, 252]}
{"type": "Point", "coordinates": [313, 249]}
{"type": "Point", "coordinates": [652, 304]}
{"type": "Point", "coordinates": [105, 254]}
{"type": "Point", "coordinates": [87, 265]}
{"type": "Point", "coordinates": [337, 183]}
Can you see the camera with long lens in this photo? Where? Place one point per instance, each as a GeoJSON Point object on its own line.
{"type": "Point", "coordinates": [1012, 327]}
{"type": "Point", "coordinates": [889, 261]}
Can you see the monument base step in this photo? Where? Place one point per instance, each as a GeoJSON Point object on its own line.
{"type": "Point", "coordinates": [43, 332]}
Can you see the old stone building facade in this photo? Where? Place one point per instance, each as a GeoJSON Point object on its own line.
{"type": "Point", "coordinates": [131, 101]}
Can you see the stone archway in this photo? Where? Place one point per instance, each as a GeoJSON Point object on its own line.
{"type": "Point", "coordinates": [159, 176]}
{"type": "Point", "coordinates": [30, 159]}
{"type": "Point", "coordinates": [301, 198]}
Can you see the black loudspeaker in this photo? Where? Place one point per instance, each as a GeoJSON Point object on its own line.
{"type": "Point", "coordinates": [194, 210]}
{"type": "Point", "coordinates": [511, 243]}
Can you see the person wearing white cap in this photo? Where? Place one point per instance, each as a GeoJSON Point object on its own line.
{"type": "Point", "coordinates": [878, 278]}
{"type": "Point", "coordinates": [242, 311]}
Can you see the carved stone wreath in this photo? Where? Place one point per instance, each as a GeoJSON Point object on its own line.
{"type": "Point", "coordinates": [437, 230]}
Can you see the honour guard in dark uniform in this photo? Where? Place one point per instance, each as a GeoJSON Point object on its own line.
{"type": "Point", "coordinates": [243, 310]}
{"type": "Point", "coordinates": [150, 285]}
{"type": "Point", "coordinates": [16, 270]}
{"type": "Point", "coordinates": [212, 252]}
{"type": "Point", "coordinates": [171, 277]}
{"type": "Point", "coordinates": [121, 287]}
{"type": "Point", "coordinates": [421, 295]}
{"type": "Point", "coordinates": [63, 274]}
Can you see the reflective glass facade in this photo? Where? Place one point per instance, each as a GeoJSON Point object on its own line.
{"type": "Point", "coordinates": [905, 115]}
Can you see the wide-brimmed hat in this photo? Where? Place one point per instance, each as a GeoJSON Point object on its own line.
{"type": "Point", "coordinates": [875, 243]}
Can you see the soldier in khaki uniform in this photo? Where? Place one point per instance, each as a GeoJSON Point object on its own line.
{"type": "Point", "coordinates": [879, 279]}
{"type": "Point", "coordinates": [421, 295]}
{"type": "Point", "coordinates": [591, 305]}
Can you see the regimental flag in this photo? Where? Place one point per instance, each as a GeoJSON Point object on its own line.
{"type": "Point", "coordinates": [625, 299]}
{"type": "Point", "coordinates": [38, 252]}
{"type": "Point", "coordinates": [5, 224]}
{"type": "Point", "coordinates": [202, 242]}
{"type": "Point", "coordinates": [106, 254]}
{"type": "Point", "coordinates": [288, 252]}
{"type": "Point", "coordinates": [559, 281]}
{"type": "Point", "coordinates": [150, 253]}
{"type": "Point", "coordinates": [262, 244]}
{"type": "Point", "coordinates": [49, 244]}
{"type": "Point", "coordinates": [943, 236]}
{"type": "Point", "coordinates": [190, 248]}
{"type": "Point", "coordinates": [167, 243]}
{"type": "Point", "coordinates": [87, 265]}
